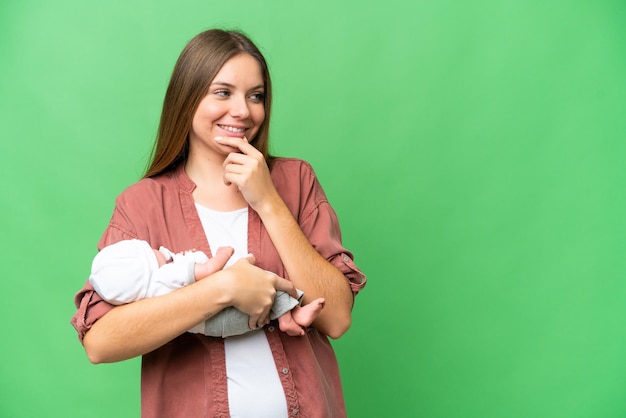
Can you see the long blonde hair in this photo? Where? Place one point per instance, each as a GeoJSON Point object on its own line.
{"type": "Point", "coordinates": [195, 68]}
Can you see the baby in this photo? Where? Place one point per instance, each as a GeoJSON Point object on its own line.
{"type": "Point", "coordinates": [130, 270]}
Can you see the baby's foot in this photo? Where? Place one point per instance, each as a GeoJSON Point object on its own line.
{"type": "Point", "coordinates": [305, 315]}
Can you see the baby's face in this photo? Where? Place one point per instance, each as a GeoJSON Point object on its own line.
{"type": "Point", "coordinates": [160, 257]}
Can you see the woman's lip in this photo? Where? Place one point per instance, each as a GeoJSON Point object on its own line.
{"type": "Point", "coordinates": [235, 134]}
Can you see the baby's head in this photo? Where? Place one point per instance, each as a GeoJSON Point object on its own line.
{"type": "Point", "coordinates": [127, 258]}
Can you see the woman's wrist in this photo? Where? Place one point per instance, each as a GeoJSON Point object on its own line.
{"type": "Point", "coordinates": [271, 206]}
{"type": "Point", "coordinates": [216, 288]}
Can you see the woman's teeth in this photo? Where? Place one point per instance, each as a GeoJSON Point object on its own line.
{"type": "Point", "coordinates": [233, 129]}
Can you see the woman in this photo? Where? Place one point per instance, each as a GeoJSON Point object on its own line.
{"type": "Point", "coordinates": [212, 183]}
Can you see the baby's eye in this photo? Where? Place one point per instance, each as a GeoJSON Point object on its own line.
{"type": "Point", "coordinates": [257, 97]}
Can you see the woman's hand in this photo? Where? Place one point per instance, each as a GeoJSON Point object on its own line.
{"type": "Point", "coordinates": [249, 172]}
{"type": "Point", "coordinates": [252, 290]}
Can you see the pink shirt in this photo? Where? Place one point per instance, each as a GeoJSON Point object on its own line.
{"type": "Point", "coordinates": [187, 376]}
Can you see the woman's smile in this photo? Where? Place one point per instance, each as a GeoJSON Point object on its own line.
{"type": "Point", "coordinates": [233, 129]}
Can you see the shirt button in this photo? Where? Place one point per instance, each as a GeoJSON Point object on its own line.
{"type": "Point", "coordinates": [285, 370]}
{"type": "Point", "coordinates": [294, 412]}
{"type": "Point", "coordinates": [271, 328]}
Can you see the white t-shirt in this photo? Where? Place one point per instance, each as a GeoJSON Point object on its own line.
{"type": "Point", "coordinates": [254, 388]}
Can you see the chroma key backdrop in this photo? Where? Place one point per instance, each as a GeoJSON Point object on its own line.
{"type": "Point", "coordinates": [473, 150]}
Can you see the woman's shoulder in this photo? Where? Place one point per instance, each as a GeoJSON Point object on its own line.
{"type": "Point", "coordinates": [145, 185]}
{"type": "Point", "coordinates": [296, 177]}
{"type": "Point", "coordinates": [148, 188]}
{"type": "Point", "coordinates": [290, 166]}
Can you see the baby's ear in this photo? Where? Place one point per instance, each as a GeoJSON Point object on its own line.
{"type": "Point", "coordinates": [169, 256]}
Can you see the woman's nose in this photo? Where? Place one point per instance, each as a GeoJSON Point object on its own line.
{"type": "Point", "coordinates": [239, 108]}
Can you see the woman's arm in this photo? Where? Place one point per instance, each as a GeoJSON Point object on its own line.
{"type": "Point", "coordinates": [308, 270]}
{"type": "Point", "coordinates": [137, 328]}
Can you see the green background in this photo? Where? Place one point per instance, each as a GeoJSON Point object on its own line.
{"type": "Point", "coordinates": [474, 151]}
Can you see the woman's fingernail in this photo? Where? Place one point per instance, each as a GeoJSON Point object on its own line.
{"type": "Point", "coordinates": [218, 138]}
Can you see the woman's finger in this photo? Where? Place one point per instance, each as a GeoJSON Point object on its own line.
{"type": "Point", "coordinates": [286, 286]}
{"type": "Point", "coordinates": [260, 320]}
{"type": "Point", "coordinates": [241, 159]}
{"type": "Point", "coordinates": [240, 143]}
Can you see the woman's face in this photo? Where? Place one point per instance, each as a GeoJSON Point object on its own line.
{"type": "Point", "coordinates": [233, 106]}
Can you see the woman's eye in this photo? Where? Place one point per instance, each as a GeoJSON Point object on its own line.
{"type": "Point", "coordinates": [222, 93]}
{"type": "Point", "coordinates": [257, 97]}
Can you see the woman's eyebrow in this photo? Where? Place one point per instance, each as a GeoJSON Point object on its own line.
{"type": "Point", "coordinates": [221, 83]}
{"type": "Point", "coordinates": [232, 86]}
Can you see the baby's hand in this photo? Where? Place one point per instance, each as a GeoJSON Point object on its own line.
{"type": "Point", "coordinates": [210, 266]}
{"type": "Point", "coordinates": [190, 256]}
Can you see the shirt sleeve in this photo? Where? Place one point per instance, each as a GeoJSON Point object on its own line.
{"type": "Point", "coordinates": [90, 305]}
{"type": "Point", "coordinates": [320, 224]}
{"type": "Point", "coordinates": [171, 276]}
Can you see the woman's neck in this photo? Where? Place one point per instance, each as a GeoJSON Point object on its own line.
{"type": "Point", "coordinates": [204, 172]}
{"type": "Point", "coordinates": [211, 191]}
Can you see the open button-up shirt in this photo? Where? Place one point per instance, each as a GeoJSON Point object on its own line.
{"type": "Point", "coordinates": [187, 376]}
